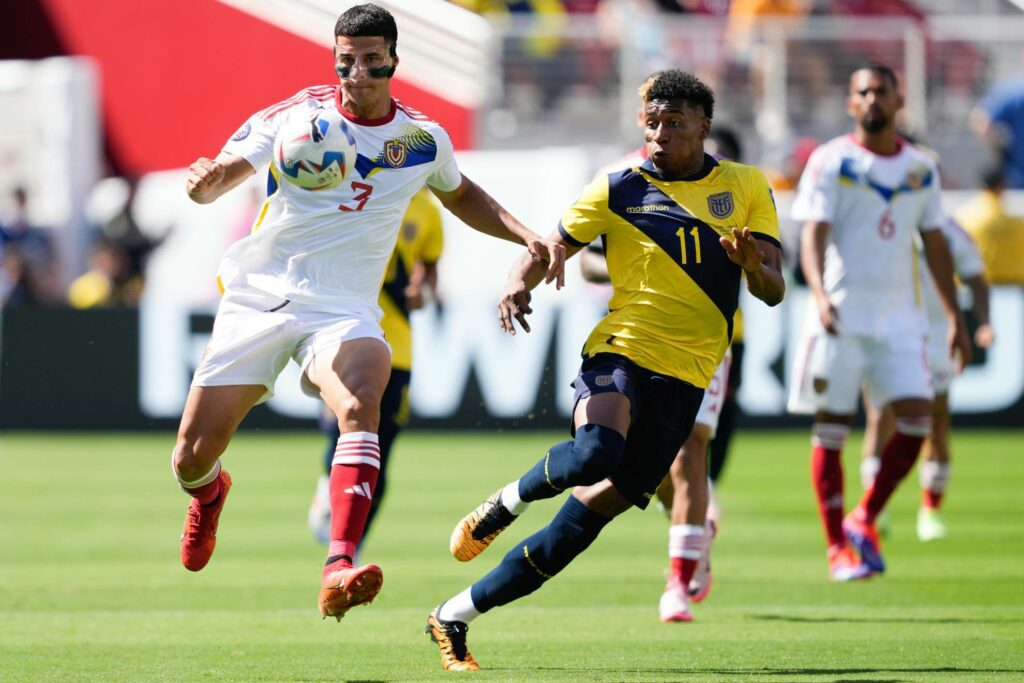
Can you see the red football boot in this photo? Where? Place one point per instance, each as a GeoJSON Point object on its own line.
{"type": "Point", "coordinates": [199, 537]}
{"type": "Point", "coordinates": [346, 587]}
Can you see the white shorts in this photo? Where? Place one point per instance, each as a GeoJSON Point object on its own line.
{"type": "Point", "coordinates": [830, 369]}
{"type": "Point", "coordinates": [940, 363]}
{"type": "Point", "coordinates": [255, 333]}
{"type": "Point", "coordinates": [714, 396]}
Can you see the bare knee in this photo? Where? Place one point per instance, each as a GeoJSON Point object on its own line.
{"type": "Point", "coordinates": [195, 454]}
{"type": "Point", "coordinates": [359, 410]}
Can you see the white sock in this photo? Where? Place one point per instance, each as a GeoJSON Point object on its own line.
{"type": "Point", "coordinates": [459, 608]}
{"type": "Point", "coordinates": [511, 500]}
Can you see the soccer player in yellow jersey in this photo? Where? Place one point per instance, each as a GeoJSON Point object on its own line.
{"type": "Point", "coordinates": [678, 231]}
{"type": "Point", "coordinates": [411, 277]}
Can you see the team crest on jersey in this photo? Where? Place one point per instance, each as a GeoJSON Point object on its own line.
{"type": "Point", "coordinates": [915, 179]}
{"type": "Point", "coordinates": [720, 205]}
{"type": "Point", "coordinates": [395, 153]}
{"type": "Point", "coordinates": [242, 133]}
{"type": "Point", "coordinates": [409, 231]}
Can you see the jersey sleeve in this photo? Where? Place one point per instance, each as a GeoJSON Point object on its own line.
{"type": "Point", "coordinates": [815, 198]}
{"type": "Point", "coordinates": [446, 176]}
{"type": "Point", "coordinates": [966, 257]}
{"type": "Point", "coordinates": [587, 218]}
{"type": "Point", "coordinates": [762, 218]}
{"type": "Point", "coordinates": [934, 217]}
{"type": "Point", "coordinates": [254, 141]}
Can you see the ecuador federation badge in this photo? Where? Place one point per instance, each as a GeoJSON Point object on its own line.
{"type": "Point", "coordinates": [720, 205]}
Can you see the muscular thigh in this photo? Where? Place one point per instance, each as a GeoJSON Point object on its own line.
{"type": "Point", "coordinates": [352, 375]}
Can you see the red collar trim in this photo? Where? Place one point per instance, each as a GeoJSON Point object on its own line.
{"type": "Point", "coordinates": [900, 142]}
{"type": "Point", "coordinates": [387, 118]}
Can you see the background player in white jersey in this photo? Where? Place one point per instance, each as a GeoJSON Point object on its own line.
{"type": "Point", "coordinates": [863, 198]}
{"type": "Point", "coordinates": [935, 458]}
{"type": "Point", "coordinates": [304, 285]}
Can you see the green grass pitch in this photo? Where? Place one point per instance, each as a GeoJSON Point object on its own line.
{"type": "Point", "coordinates": [91, 587]}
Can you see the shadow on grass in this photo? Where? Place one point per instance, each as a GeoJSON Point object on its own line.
{"type": "Point", "coordinates": [787, 671]}
{"type": "Point", "coordinates": [879, 620]}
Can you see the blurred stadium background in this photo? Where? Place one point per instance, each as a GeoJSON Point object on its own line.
{"type": "Point", "coordinates": [102, 107]}
{"type": "Point", "coordinates": [101, 110]}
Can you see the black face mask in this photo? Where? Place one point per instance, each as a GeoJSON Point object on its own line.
{"type": "Point", "coordinates": [372, 72]}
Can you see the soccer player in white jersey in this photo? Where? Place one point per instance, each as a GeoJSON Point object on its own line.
{"type": "Point", "coordinates": [304, 285]}
{"type": "Point", "coordinates": [862, 199]}
{"type": "Point", "coordinates": [935, 459]}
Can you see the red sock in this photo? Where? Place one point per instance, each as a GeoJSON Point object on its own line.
{"type": "Point", "coordinates": [682, 569]}
{"type": "Point", "coordinates": [931, 499]}
{"type": "Point", "coordinates": [898, 459]}
{"type": "Point", "coordinates": [685, 546]}
{"type": "Point", "coordinates": [827, 477]}
{"type": "Point", "coordinates": [353, 480]}
{"type": "Point", "coordinates": [208, 492]}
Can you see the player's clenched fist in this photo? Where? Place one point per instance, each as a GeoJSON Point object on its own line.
{"type": "Point", "coordinates": [203, 175]}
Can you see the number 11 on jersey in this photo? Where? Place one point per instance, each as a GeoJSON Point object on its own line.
{"type": "Point", "coordinates": [695, 232]}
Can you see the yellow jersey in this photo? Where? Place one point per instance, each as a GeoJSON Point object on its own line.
{"type": "Point", "coordinates": [999, 236]}
{"type": "Point", "coordinates": [420, 239]}
{"type": "Point", "coordinates": [675, 291]}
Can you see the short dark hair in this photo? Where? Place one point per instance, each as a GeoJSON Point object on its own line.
{"type": "Point", "coordinates": [673, 84]}
{"type": "Point", "coordinates": [368, 20]}
{"type": "Point", "coordinates": [882, 70]}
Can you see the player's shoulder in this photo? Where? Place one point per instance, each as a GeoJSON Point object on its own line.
{"type": "Point", "coordinates": [836, 148]}
{"type": "Point", "coordinates": [919, 154]}
{"type": "Point", "coordinates": [313, 96]}
{"type": "Point", "coordinates": [406, 116]}
{"type": "Point", "coordinates": [740, 172]}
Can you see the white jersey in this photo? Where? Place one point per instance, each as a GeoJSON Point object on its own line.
{"type": "Point", "coordinates": [876, 205]}
{"type": "Point", "coordinates": [331, 247]}
{"type": "Point", "coordinates": [966, 262]}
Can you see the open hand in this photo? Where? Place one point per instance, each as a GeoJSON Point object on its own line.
{"type": "Point", "coordinates": [743, 250]}
{"type": "Point", "coordinates": [514, 303]}
{"type": "Point", "coordinates": [553, 254]}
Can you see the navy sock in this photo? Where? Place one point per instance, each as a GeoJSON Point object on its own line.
{"type": "Point", "coordinates": [591, 456]}
{"type": "Point", "coordinates": [535, 560]}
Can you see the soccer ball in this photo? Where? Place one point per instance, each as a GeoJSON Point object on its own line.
{"type": "Point", "coordinates": [315, 150]}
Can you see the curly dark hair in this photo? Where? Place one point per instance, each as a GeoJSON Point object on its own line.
{"type": "Point", "coordinates": [368, 20]}
{"type": "Point", "coordinates": [673, 84]}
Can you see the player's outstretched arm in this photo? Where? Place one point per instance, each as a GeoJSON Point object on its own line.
{"type": "Point", "coordinates": [762, 263]}
{"type": "Point", "coordinates": [526, 273]}
{"type": "Point", "coordinates": [480, 211]}
{"type": "Point", "coordinates": [940, 263]}
{"type": "Point", "coordinates": [208, 179]}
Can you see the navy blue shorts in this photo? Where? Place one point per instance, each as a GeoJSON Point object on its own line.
{"type": "Point", "coordinates": [662, 412]}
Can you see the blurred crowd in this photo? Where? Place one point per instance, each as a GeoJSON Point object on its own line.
{"type": "Point", "coordinates": [548, 68]}
{"type": "Point", "coordinates": [32, 273]}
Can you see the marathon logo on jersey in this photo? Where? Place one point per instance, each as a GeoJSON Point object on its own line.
{"type": "Point", "coordinates": [648, 208]}
{"type": "Point", "coordinates": [395, 153]}
{"type": "Point", "coordinates": [242, 133]}
{"type": "Point", "coordinates": [720, 205]}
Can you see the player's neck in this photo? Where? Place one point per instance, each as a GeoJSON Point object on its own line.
{"type": "Point", "coordinates": [686, 170]}
{"type": "Point", "coordinates": [367, 110]}
{"type": "Point", "coordinates": [884, 142]}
